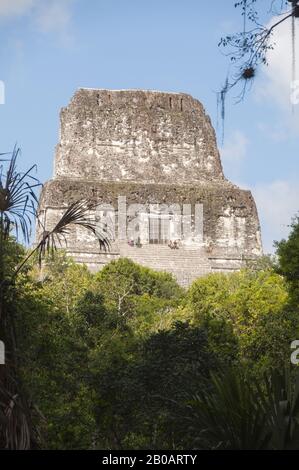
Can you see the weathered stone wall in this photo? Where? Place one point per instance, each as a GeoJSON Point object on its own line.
{"type": "Point", "coordinates": [229, 214]}
{"type": "Point", "coordinates": [151, 148]}
{"type": "Point", "coordinates": [140, 136]}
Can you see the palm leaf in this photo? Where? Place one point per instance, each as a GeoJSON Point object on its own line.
{"type": "Point", "coordinates": [18, 204]}
{"type": "Point", "coordinates": [18, 200]}
{"type": "Point", "coordinates": [229, 415]}
{"type": "Point", "coordinates": [76, 214]}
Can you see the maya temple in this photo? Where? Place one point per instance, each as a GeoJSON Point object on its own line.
{"type": "Point", "coordinates": [150, 162]}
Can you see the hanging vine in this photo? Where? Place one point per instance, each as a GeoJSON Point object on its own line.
{"type": "Point", "coordinates": [249, 48]}
{"type": "Point", "coordinates": [293, 48]}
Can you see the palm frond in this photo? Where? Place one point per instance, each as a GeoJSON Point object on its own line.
{"type": "Point", "coordinates": [17, 431]}
{"type": "Point", "coordinates": [281, 405]}
{"type": "Point", "coordinates": [18, 200]}
{"type": "Point", "coordinates": [76, 214]}
{"type": "Point", "coordinates": [240, 412]}
{"type": "Point", "coordinates": [229, 415]}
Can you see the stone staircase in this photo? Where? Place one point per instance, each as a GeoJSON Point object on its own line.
{"type": "Point", "coordinates": [185, 264]}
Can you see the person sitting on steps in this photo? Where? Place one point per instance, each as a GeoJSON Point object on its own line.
{"type": "Point", "coordinates": [138, 243]}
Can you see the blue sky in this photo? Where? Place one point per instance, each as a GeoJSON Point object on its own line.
{"type": "Point", "coordinates": [49, 48]}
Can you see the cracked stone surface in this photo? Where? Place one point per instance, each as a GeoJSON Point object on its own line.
{"type": "Point", "coordinates": [152, 148]}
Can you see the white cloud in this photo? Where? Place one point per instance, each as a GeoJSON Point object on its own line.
{"type": "Point", "coordinates": [277, 203]}
{"type": "Point", "coordinates": [233, 153]}
{"type": "Point", "coordinates": [15, 7]}
{"type": "Point", "coordinates": [49, 16]}
{"type": "Point", "coordinates": [276, 82]}
{"type": "Point", "coordinates": [54, 16]}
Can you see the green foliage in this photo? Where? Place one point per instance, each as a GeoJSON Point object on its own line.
{"type": "Point", "coordinates": [137, 294]}
{"type": "Point", "coordinates": [12, 255]}
{"type": "Point", "coordinates": [288, 259]}
{"type": "Point", "coordinates": [221, 338]}
{"type": "Point", "coordinates": [254, 305]}
{"type": "Point", "coordinates": [125, 275]}
{"type": "Point", "coordinates": [228, 416]}
{"type": "Point", "coordinates": [127, 359]}
{"type": "Point", "coordinates": [138, 395]}
{"type": "Point", "coordinates": [240, 413]}
{"type": "Point", "coordinates": [53, 361]}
